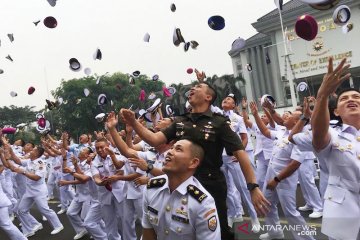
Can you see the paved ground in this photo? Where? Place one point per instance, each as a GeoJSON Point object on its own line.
{"type": "Point", "coordinates": [239, 228]}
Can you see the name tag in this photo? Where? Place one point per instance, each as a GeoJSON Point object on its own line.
{"type": "Point", "coordinates": [180, 219]}
{"type": "Point", "coordinates": [153, 210]}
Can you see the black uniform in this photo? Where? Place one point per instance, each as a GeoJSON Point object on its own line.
{"type": "Point", "coordinates": [212, 131]}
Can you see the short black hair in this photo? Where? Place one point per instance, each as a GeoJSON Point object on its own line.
{"type": "Point", "coordinates": [197, 150]}
{"type": "Point", "coordinates": [22, 142]}
{"type": "Point", "coordinates": [31, 143]}
{"type": "Point", "coordinates": [40, 151]}
{"type": "Point", "coordinates": [211, 91]}
{"type": "Point", "coordinates": [342, 91]}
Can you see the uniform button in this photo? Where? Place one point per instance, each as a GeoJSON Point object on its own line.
{"type": "Point", "coordinates": [184, 200]}
{"type": "Point", "coordinates": [166, 232]}
{"type": "Point", "coordinates": [358, 156]}
{"type": "Point", "coordinates": [209, 175]}
{"type": "Point", "coordinates": [358, 138]}
{"type": "Point", "coordinates": [178, 229]}
{"type": "Point", "coordinates": [168, 208]}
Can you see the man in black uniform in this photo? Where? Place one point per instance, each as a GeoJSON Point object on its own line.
{"type": "Point", "coordinates": [213, 132]}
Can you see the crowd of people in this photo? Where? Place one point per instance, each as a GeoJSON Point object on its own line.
{"type": "Point", "coordinates": [186, 177]}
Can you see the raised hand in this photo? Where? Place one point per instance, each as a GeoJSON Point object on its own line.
{"type": "Point", "coordinates": [200, 75]}
{"type": "Point", "coordinates": [253, 108]}
{"type": "Point", "coordinates": [306, 108]}
{"type": "Point", "coordinates": [244, 103]}
{"type": "Point", "coordinates": [109, 151]}
{"type": "Point", "coordinates": [99, 134]}
{"type": "Point", "coordinates": [139, 163]}
{"type": "Point", "coordinates": [111, 121]}
{"type": "Point", "coordinates": [127, 116]}
{"type": "Point", "coordinates": [333, 78]}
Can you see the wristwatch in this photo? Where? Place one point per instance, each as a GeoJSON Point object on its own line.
{"type": "Point", "coordinates": [149, 167]}
{"type": "Point", "coordinates": [252, 186]}
{"type": "Point", "coordinates": [277, 179]}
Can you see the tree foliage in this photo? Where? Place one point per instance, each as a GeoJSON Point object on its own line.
{"type": "Point", "coordinates": [15, 115]}
{"type": "Point", "coordinates": [79, 117]}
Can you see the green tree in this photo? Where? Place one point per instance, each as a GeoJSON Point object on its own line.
{"type": "Point", "coordinates": [79, 117]}
{"type": "Point", "coordinates": [15, 115]}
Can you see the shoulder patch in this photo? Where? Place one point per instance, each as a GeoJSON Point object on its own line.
{"type": "Point", "coordinates": [196, 193]}
{"type": "Point", "coordinates": [155, 183]}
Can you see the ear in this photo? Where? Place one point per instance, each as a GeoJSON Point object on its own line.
{"type": "Point", "coordinates": [194, 163]}
{"type": "Point", "coordinates": [336, 112]}
{"type": "Point", "coordinates": [208, 97]}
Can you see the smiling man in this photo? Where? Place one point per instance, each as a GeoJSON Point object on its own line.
{"type": "Point", "coordinates": [176, 205]}
{"type": "Point", "coordinates": [213, 132]}
{"type": "Point", "coordinates": [340, 148]}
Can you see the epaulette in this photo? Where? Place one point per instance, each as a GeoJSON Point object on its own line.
{"type": "Point", "coordinates": [196, 193]}
{"type": "Point", "coordinates": [155, 183]}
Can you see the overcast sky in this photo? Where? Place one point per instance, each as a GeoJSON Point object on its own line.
{"type": "Point", "coordinates": [117, 27]}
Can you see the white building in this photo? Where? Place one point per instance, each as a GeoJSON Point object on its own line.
{"type": "Point", "coordinates": [265, 52]}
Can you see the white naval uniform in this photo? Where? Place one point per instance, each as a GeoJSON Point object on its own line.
{"type": "Point", "coordinates": [66, 192]}
{"type": "Point", "coordinates": [341, 214]}
{"type": "Point", "coordinates": [285, 192]}
{"type": "Point", "coordinates": [79, 206]}
{"type": "Point", "coordinates": [132, 203]}
{"type": "Point", "coordinates": [263, 151]}
{"type": "Point", "coordinates": [307, 181]}
{"type": "Point", "coordinates": [36, 191]}
{"type": "Point", "coordinates": [93, 221]}
{"type": "Point", "coordinates": [303, 141]}
{"type": "Point", "coordinates": [233, 168]}
{"type": "Point", "coordinates": [5, 222]}
{"type": "Point", "coordinates": [54, 165]}
{"type": "Point", "coordinates": [111, 201]}
{"type": "Point", "coordinates": [187, 213]}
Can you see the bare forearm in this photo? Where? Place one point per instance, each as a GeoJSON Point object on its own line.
{"type": "Point", "coordinates": [81, 177]}
{"type": "Point", "coordinates": [156, 172]}
{"type": "Point", "coordinates": [32, 176]}
{"type": "Point", "coordinates": [245, 165]}
{"type": "Point", "coordinates": [121, 145]}
{"type": "Point", "coordinates": [247, 121]}
{"type": "Point", "coordinates": [320, 121]}
{"type": "Point", "coordinates": [263, 129]}
{"type": "Point", "coordinates": [276, 117]}
{"type": "Point", "coordinates": [244, 139]}
{"type": "Point", "coordinates": [271, 120]}
{"type": "Point", "coordinates": [296, 129]}
{"type": "Point", "coordinates": [130, 177]}
{"type": "Point", "coordinates": [118, 164]}
{"type": "Point", "coordinates": [289, 170]}
{"type": "Point", "coordinates": [154, 139]}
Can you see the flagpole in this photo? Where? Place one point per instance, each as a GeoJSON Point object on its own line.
{"type": "Point", "coordinates": [291, 81]}
{"type": "Point", "coordinates": [48, 96]}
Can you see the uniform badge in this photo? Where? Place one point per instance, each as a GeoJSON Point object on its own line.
{"type": "Point", "coordinates": [181, 211]}
{"type": "Point", "coordinates": [153, 210]}
{"type": "Point", "coordinates": [208, 213]}
{"type": "Point", "coordinates": [154, 183]}
{"type": "Point", "coordinates": [212, 223]}
{"type": "Point", "coordinates": [180, 219]}
{"type": "Point", "coordinates": [196, 193]}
